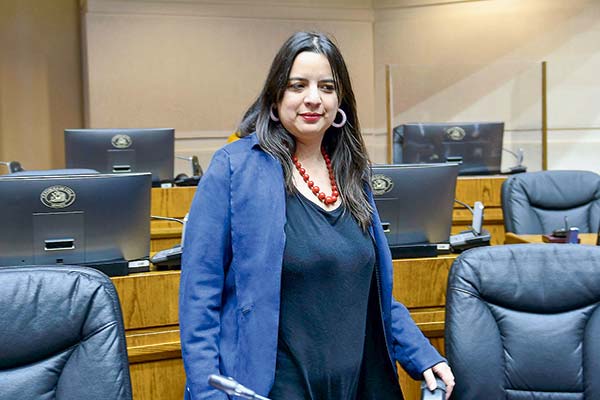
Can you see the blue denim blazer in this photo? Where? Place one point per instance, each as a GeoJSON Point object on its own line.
{"type": "Point", "coordinates": [231, 274]}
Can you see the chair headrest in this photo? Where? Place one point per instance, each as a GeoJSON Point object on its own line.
{"type": "Point", "coordinates": [548, 278]}
{"type": "Point", "coordinates": [558, 190]}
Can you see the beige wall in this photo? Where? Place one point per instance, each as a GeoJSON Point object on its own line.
{"type": "Point", "coordinates": [481, 60]}
{"type": "Point", "coordinates": [197, 66]}
{"type": "Point", "coordinates": [40, 80]}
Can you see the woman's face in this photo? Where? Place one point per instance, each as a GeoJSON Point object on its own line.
{"type": "Point", "coordinates": [310, 101]}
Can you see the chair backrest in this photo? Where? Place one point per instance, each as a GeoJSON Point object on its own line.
{"type": "Point", "coordinates": [523, 322]}
{"type": "Point", "coordinates": [537, 202]}
{"type": "Point", "coordinates": [61, 335]}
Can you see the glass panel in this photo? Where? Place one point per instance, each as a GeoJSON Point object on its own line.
{"type": "Point", "coordinates": [504, 92]}
{"type": "Point", "coordinates": [573, 112]}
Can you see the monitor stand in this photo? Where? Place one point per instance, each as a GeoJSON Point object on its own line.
{"type": "Point", "coordinates": [110, 268]}
{"type": "Point", "coordinates": [416, 250]}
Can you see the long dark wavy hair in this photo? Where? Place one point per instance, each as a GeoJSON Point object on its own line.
{"type": "Point", "coordinates": [344, 145]}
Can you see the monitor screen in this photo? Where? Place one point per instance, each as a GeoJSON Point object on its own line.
{"type": "Point", "coordinates": [122, 151]}
{"type": "Point", "coordinates": [94, 219]}
{"type": "Point", "coordinates": [415, 201]}
{"type": "Point", "coordinates": [477, 146]}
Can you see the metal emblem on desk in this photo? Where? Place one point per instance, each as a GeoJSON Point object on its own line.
{"type": "Point", "coordinates": [381, 184]}
{"type": "Point", "coordinates": [58, 196]}
{"type": "Point", "coordinates": [456, 133]}
{"type": "Point", "coordinates": [121, 141]}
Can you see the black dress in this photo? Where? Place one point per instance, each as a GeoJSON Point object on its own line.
{"type": "Point", "coordinates": [331, 344]}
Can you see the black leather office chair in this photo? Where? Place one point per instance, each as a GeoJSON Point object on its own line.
{"type": "Point", "coordinates": [61, 335]}
{"type": "Point", "coordinates": [523, 322]}
{"type": "Point", "coordinates": [537, 202]}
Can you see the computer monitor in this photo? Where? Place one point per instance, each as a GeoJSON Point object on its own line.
{"type": "Point", "coordinates": [122, 151]}
{"type": "Point", "coordinates": [477, 146]}
{"type": "Point", "coordinates": [98, 220]}
{"type": "Point", "coordinates": [415, 203]}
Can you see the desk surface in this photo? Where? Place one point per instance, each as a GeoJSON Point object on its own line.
{"type": "Point", "coordinates": [513, 238]}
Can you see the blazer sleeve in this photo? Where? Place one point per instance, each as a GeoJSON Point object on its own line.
{"type": "Point", "coordinates": [410, 347]}
{"type": "Point", "coordinates": [206, 256]}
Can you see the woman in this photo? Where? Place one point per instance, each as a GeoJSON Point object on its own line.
{"type": "Point", "coordinates": [287, 277]}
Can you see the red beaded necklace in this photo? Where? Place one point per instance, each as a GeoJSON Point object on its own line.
{"type": "Point", "coordinates": [311, 185]}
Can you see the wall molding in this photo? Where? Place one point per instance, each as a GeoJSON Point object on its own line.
{"type": "Point", "coordinates": [201, 134]}
{"type": "Point", "coordinates": [228, 10]}
{"type": "Point", "coordinates": [398, 4]}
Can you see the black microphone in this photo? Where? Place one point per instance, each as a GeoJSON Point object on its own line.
{"type": "Point", "coordinates": [13, 166]}
{"type": "Point", "coordinates": [196, 168]}
{"type": "Point", "coordinates": [233, 388]}
{"type": "Point", "coordinates": [519, 168]}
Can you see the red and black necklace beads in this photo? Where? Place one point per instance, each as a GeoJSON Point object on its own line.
{"type": "Point", "coordinates": [328, 200]}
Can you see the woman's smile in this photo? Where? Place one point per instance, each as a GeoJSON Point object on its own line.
{"type": "Point", "coordinates": [311, 117]}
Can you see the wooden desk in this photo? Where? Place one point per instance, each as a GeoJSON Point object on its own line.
{"type": "Point", "coordinates": [513, 238]}
{"type": "Point", "coordinates": [149, 300]}
{"type": "Point", "coordinates": [420, 284]}
{"type": "Point", "coordinates": [171, 202]}
{"type": "Point", "coordinates": [486, 189]}
{"type": "Point", "coordinates": [149, 305]}
{"type": "Point", "coordinates": [175, 203]}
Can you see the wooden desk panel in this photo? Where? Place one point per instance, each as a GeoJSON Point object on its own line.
{"type": "Point", "coordinates": [150, 315]}
{"type": "Point", "coordinates": [486, 189]}
{"type": "Point", "coordinates": [154, 380]}
{"type": "Point", "coordinates": [148, 299]}
{"type": "Point", "coordinates": [421, 282]}
{"type": "Point", "coordinates": [172, 202]}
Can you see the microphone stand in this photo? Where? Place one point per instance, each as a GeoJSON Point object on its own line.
{"type": "Point", "coordinates": [231, 387]}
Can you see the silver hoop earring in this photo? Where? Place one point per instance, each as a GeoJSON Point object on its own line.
{"type": "Point", "coordinates": [344, 119]}
{"type": "Point", "coordinates": [273, 117]}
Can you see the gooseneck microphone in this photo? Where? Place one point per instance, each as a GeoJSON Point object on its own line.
{"type": "Point", "coordinates": [233, 388]}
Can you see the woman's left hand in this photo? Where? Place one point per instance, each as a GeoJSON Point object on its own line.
{"type": "Point", "coordinates": [443, 371]}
